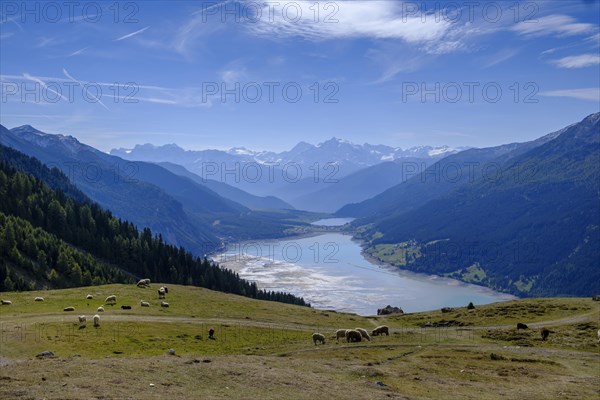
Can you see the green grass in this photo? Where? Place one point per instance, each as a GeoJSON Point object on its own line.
{"type": "Point", "coordinates": [264, 349]}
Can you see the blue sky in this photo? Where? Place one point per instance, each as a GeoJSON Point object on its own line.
{"type": "Point", "coordinates": [117, 74]}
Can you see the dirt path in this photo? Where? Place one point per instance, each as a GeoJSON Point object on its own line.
{"type": "Point", "coordinates": [61, 317]}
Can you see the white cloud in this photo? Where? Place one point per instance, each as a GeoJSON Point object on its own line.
{"type": "Point", "coordinates": [500, 57]}
{"type": "Point", "coordinates": [556, 24]}
{"type": "Point", "coordinates": [77, 52]}
{"type": "Point", "coordinates": [372, 19]}
{"type": "Point", "coordinates": [580, 61]}
{"type": "Point", "coordinates": [592, 94]}
{"type": "Point", "coordinates": [131, 34]}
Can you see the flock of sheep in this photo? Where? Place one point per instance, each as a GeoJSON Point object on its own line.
{"type": "Point", "coordinates": [352, 335]}
{"type": "Point", "coordinates": [110, 300]}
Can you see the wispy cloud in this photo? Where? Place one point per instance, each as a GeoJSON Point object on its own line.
{"type": "Point", "coordinates": [14, 21]}
{"type": "Point", "coordinates": [591, 94]}
{"type": "Point", "coordinates": [131, 34]}
{"type": "Point", "coordinates": [556, 24]}
{"type": "Point", "coordinates": [188, 97]}
{"type": "Point", "coordinates": [500, 57]}
{"type": "Point", "coordinates": [77, 52]}
{"type": "Point", "coordinates": [84, 88]}
{"type": "Point", "coordinates": [43, 84]}
{"type": "Point", "coordinates": [580, 61]}
{"type": "Point", "coordinates": [354, 19]}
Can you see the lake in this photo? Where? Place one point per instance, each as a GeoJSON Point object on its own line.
{"type": "Point", "coordinates": [329, 271]}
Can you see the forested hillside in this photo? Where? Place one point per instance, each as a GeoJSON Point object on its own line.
{"type": "Point", "coordinates": [49, 239]}
{"type": "Point", "coordinates": [533, 230]}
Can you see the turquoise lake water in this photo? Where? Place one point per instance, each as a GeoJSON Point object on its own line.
{"type": "Point", "coordinates": [329, 271]}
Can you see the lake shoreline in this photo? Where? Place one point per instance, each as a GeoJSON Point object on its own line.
{"type": "Point", "coordinates": [387, 266]}
{"type": "Point", "coordinates": [336, 285]}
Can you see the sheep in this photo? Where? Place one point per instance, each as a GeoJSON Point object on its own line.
{"type": "Point", "coordinates": [317, 337]}
{"type": "Point", "coordinates": [124, 307]}
{"type": "Point", "coordinates": [112, 299]}
{"type": "Point", "coordinates": [6, 302]}
{"type": "Point", "coordinates": [340, 333]}
{"type": "Point", "coordinates": [352, 335]}
{"type": "Point", "coordinates": [544, 332]}
{"type": "Point", "coordinates": [522, 326]}
{"type": "Point", "coordinates": [164, 304]}
{"type": "Point", "coordinates": [82, 321]}
{"type": "Point", "coordinates": [143, 283]}
{"type": "Point", "coordinates": [69, 309]}
{"type": "Point", "coordinates": [100, 309]}
{"type": "Point", "coordinates": [211, 333]}
{"type": "Point", "coordinates": [161, 292]}
{"type": "Point", "coordinates": [38, 299]}
{"type": "Point", "coordinates": [144, 303]}
{"type": "Point", "coordinates": [363, 333]}
{"type": "Point", "coordinates": [380, 330]}
{"type": "Point", "coordinates": [96, 321]}
{"type": "Point", "coordinates": [89, 297]}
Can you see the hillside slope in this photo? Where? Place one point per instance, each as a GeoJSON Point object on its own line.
{"type": "Point", "coordinates": [533, 230]}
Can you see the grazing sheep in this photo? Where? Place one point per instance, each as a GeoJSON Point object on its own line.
{"type": "Point", "coordinates": [38, 299]}
{"type": "Point", "coordinates": [544, 332]}
{"type": "Point", "coordinates": [522, 326]}
{"type": "Point", "coordinates": [211, 333]}
{"type": "Point", "coordinates": [89, 297]}
{"type": "Point", "coordinates": [164, 304]}
{"type": "Point", "coordinates": [111, 299]}
{"type": "Point", "coordinates": [144, 303]}
{"type": "Point", "coordinates": [363, 333]}
{"type": "Point", "coordinates": [124, 307]}
{"type": "Point", "coordinates": [100, 309]}
{"type": "Point", "coordinates": [96, 321]}
{"type": "Point", "coordinates": [317, 337]}
{"type": "Point", "coordinates": [161, 292]}
{"type": "Point", "coordinates": [69, 309]}
{"type": "Point", "coordinates": [143, 283]}
{"type": "Point", "coordinates": [340, 333]}
{"type": "Point", "coordinates": [82, 321]}
{"type": "Point", "coordinates": [352, 335]}
{"type": "Point", "coordinates": [380, 330]}
{"type": "Point", "coordinates": [6, 302]}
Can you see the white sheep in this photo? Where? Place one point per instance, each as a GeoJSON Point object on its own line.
{"type": "Point", "coordinates": [82, 320]}
{"type": "Point", "coordinates": [143, 283]}
{"type": "Point", "coordinates": [380, 330]}
{"type": "Point", "coordinates": [598, 335]}
{"type": "Point", "coordinates": [364, 333]}
{"type": "Point", "coordinates": [100, 309]}
{"type": "Point", "coordinates": [111, 299]}
{"type": "Point", "coordinates": [161, 292]}
{"type": "Point", "coordinates": [164, 304]}
{"type": "Point", "coordinates": [340, 333]}
{"type": "Point", "coordinates": [69, 309]}
{"type": "Point", "coordinates": [39, 299]}
{"type": "Point", "coordinates": [144, 303]}
{"type": "Point", "coordinates": [317, 337]}
{"type": "Point", "coordinates": [89, 297]}
{"type": "Point", "coordinates": [96, 321]}
{"type": "Point", "coordinates": [352, 335]}
{"type": "Point", "coordinates": [6, 302]}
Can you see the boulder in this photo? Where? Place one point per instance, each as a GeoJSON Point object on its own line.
{"type": "Point", "coordinates": [387, 310]}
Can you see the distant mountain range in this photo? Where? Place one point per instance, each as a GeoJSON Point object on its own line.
{"type": "Point", "coordinates": [182, 210]}
{"type": "Point", "coordinates": [330, 171]}
{"type": "Point", "coordinates": [525, 220]}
